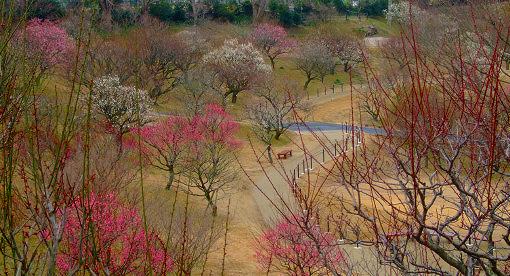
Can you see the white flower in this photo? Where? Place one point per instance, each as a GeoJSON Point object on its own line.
{"type": "Point", "coordinates": [121, 105]}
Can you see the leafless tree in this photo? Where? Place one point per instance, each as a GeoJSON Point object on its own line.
{"type": "Point", "coordinates": [347, 50]}
{"type": "Point", "coordinates": [315, 61]}
{"type": "Point", "coordinates": [199, 90]}
{"type": "Point", "coordinates": [272, 113]}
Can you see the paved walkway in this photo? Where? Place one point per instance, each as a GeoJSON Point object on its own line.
{"type": "Point", "coordinates": [272, 192]}
{"type": "Point", "coordinates": [272, 186]}
{"type": "Point", "coordinates": [322, 127]}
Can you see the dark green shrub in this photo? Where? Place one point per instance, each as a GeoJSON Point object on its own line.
{"type": "Point", "coordinates": [342, 6]}
{"type": "Point", "coordinates": [231, 11]}
{"type": "Point", "coordinates": [180, 12]}
{"type": "Point", "coordinates": [123, 17]}
{"type": "Point", "coordinates": [47, 9]}
{"type": "Point", "coordinates": [247, 8]}
{"type": "Point", "coordinates": [287, 17]}
{"type": "Point", "coordinates": [170, 12]}
{"type": "Point", "coordinates": [373, 7]}
{"type": "Point", "coordinates": [161, 10]}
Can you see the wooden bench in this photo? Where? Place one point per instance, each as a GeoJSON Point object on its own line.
{"type": "Point", "coordinates": [284, 154]}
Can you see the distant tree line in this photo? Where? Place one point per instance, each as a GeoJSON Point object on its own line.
{"type": "Point", "coordinates": [128, 12]}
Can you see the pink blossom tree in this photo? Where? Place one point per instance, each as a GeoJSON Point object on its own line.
{"type": "Point", "coordinates": [165, 144]}
{"type": "Point", "coordinates": [211, 161]}
{"type": "Point", "coordinates": [47, 43]}
{"type": "Point", "coordinates": [272, 40]}
{"type": "Point", "coordinates": [296, 247]}
{"type": "Point", "coordinates": [104, 236]}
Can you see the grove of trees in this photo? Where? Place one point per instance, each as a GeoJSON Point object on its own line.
{"type": "Point", "coordinates": [126, 138]}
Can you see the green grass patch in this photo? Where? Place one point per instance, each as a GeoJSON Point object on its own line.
{"type": "Point", "coordinates": [351, 26]}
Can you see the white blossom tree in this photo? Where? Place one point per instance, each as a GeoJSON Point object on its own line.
{"type": "Point", "coordinates": [237, 67]}
{"type": "Point", "coordinates": [123, 107]}
{"type": "Point", "coordinates": [403, 12]}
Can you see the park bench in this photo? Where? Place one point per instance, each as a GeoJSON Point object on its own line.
{"type": "Point", "coordinates": [284, 154]}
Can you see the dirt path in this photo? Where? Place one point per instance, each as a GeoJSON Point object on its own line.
{"type": "Point", "coordinates": [272, 195]}
{"type": "Point", "coordinates": [272, 192]}
{"type": "Point", "coordinates": [331, 96]}
{"type": "Point", "coordinates": [375, 41]}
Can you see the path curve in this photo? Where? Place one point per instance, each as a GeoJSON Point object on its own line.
{"type": "Point", "coordinates": [321, 127]}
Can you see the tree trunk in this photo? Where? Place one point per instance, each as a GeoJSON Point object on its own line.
{"type": "Point", "coordinates": [346, 67]}
{"type": "Point", "coordinates": [269, 154]}
{"type": "Point", "coordinates": [307, 82]}
{"type": "Point", "coordinates": [106, 17]}
{"type": "Point", "coordinates": [210, 203]}
{"type": "Point", "coordinates": [278, 134]}
{"type": "Point", "coordinates": [194, 10]}
{"type": "Point", "coordinates": [120, 136]}
{"type": "Point", "coordinates": [273, 63]}
{"type": "Point", "coordinates": [171, 176]}
{"type": "Point", "coordinates": [234, 97]}
{"type": "Point", "coordinates": [258, 9]}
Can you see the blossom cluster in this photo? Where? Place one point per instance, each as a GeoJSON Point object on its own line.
{"type": "Point", "coordinates": [47, 43]}
{"type": "Point", "coordinates": [234, 56]}
{"type": "Point", "coordinates": [297, 248]}
{"type": "Point", "coordinates": [272, 40]}
{"type": "Point", "coordinates": [176, 140]}
{"type": "Point", "coordinates": [122, 105]}
{"type": "Point", "coordinates": [107, 237]}
{"type": "Point", "coordinates": [403, 12]}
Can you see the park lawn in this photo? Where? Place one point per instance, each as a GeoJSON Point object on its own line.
{"type": "Point", "coordinates": [342, 110]}
{"type": "Point", "coordinates": [350, 26]}
{"type": "Point", "coordinates": [244, 222]}
{"type": "Point", "coordinates": [286, 68]}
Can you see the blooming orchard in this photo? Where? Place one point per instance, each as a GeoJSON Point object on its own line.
{"type": "Point", "coordinates": [165, 145]}
{"type": "Point", "coordinates": [315, 60]}
{"type": "Point", "coordinates": [200, 147]}
{"type": "Point", "coordinates": [211, 160]}
{"type": "Point", "coordinates": [403, 12]}
{"type": "Point", "coordinates": [298, 248]}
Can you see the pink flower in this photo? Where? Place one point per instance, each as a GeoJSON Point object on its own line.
{"type": "Point", "coordinates": [107, 235]}
{"type": "Point", "coordinates": [272, 40]}
{"type": "Point", "coordinates": [47, 42]}
{"type": "Point", "coordinates": [298, 248]}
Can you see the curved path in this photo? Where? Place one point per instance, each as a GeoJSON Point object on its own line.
{"type": "Point", "coordinates": [272, 191]}
{"type": "Point", "coordinates": [320, 126]}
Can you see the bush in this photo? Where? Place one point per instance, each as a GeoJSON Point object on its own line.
{"type": "Point", "coordinates": [170, 12]}
{"type": "Point", "coordinates": [373, 7]}
{"type": "Point", "coordinates": [342, 6]}
{"type": "Point", "coordinates": [161, 10]}
{"type": "Point", "coordinates": [47, 9]}
{"type": "Point", "coordinates": [231, 11]}
{"type": "Point", "coordinates": [123, 17]}
{"type": "Point", "coordinates": [288, 17]}
{"type": "Point", "coordinates": [180, 13]}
